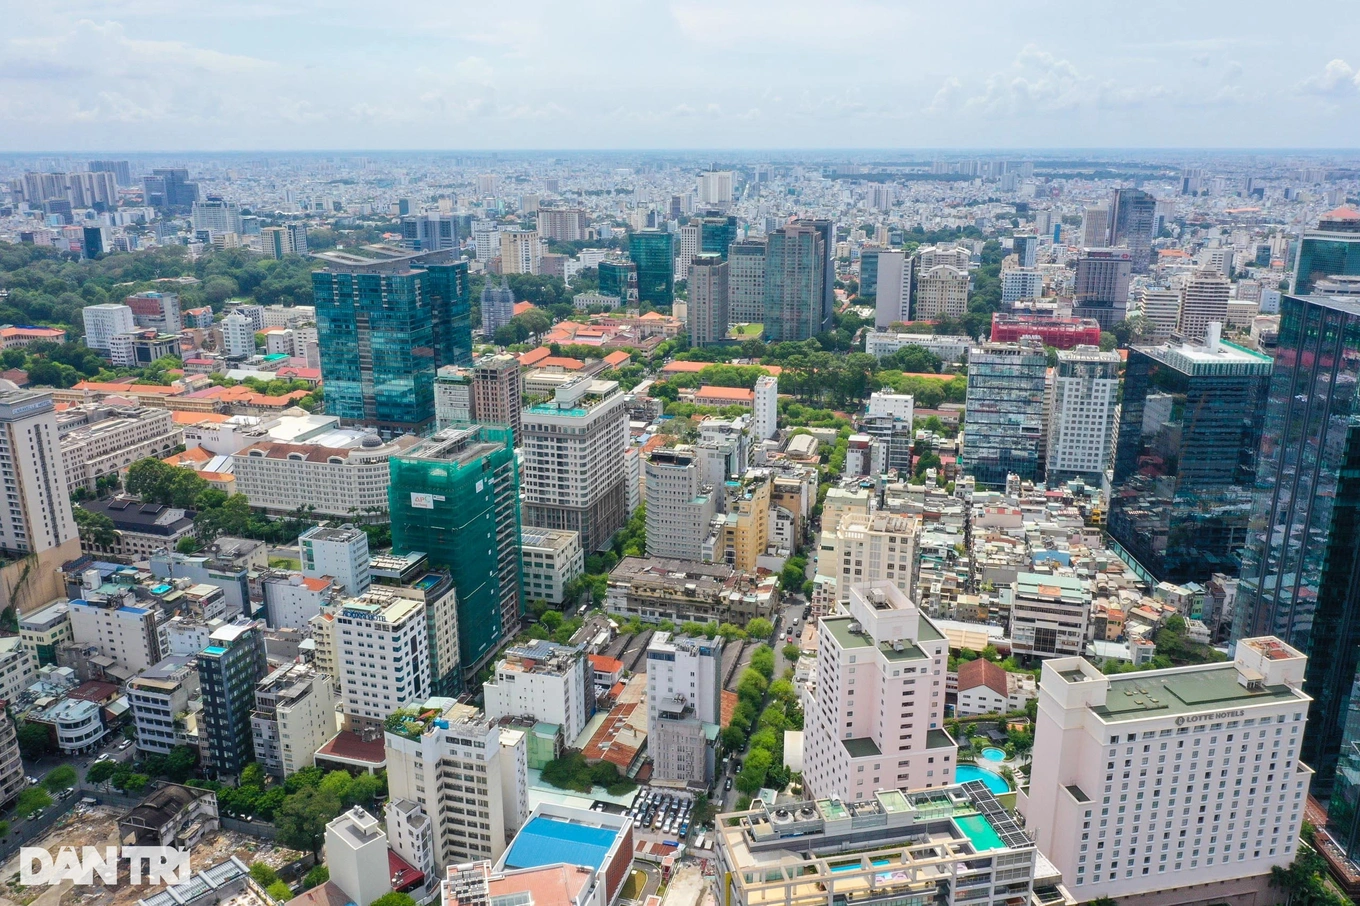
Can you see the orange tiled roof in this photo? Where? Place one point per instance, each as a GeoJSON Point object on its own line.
{"type": "Point", "coordinates": [733, 394]}
{"type": "Point", "coordinates": [534, 356]}
{"type": "Point", "coordinates": [522, 307]}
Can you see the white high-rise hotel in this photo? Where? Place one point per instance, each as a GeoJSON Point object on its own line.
{"type": "Point", "coordinates": [1183, 784]}
{"type": "Point", "coordinates": [875, 707]}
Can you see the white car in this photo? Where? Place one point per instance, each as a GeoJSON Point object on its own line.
{"type": "Point", "coordinates": [105, 757]}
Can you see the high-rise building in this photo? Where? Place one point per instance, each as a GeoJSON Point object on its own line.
{"type": "Point", "coordinates": [498, 393]}
{"type": "Point", "coordinates": [717, 233]}
{"type": "Point", "coordinates": [452, 396]}
{"type": "Point", "coordinates": [37, 516]}
{"type": "Point", "coordinates": [1178, 828]}
{"type": "Point", "coordinates": [465, 772]}
{"type": "Point", "coordinates": [1021, 283]}
{"type": "Point", "coordinates": [1048, 614]}
{"type": "Point", "coordinates": [708, 300]}
{"type": "Point", "coordinates": [680, 505]}
{"type": "Point", "coordinates": [238, 336]}
{"type": "Point", "coordinates": [455, 497]}
{"type": "Point", "coordinates": [874, 715]}
{"type": "Point", "coordinates": [1005, 424]}
{"type": "Point", "coordinates": [684, 706]}
{"type": "Point", "coordinates": [486, 184]}
{"type": "Point", "coordinates": [746, 282]}
{"type": "Point", "coordinates": [429, 232]}
{"type": "Point", "coordinates": [827, 230]}
{"type": "Point", "coordinates": [1204, 299]}
{"type": "Point", "coordinates": [105, 321]}
{"type": "Point", "coordinates": [294, 716]}
{"type": "Point", "coordinates": [217, 215]}
{"type": "Point", "coordinates": [715, 187]}
{"type": "Point", "coordinates": [1026, 247]}
{"type": "Point", "coordinates": [653, 251]}
{"type": "Point", "coordinates": [385, 325]}
{"type": "Point", "coordinates": [1081, 422]}
{"type": "Point", "coordinates": [687, 248]}
{"type": "Point", "coordinates": [868, 272]}
{"type": "Point", "coordinates": [573, 461]}
{"type": "Point", "coordinates": [382, 656]}
{"type": "Point", "coordinates": [1133, 225]}
{"type": "Point", "coordinates": [619, 278]}
{"type": "Point", "coordinates": [340, 553]}
{"type": "Point", "coordinates": [169, 188]}
{"type": "Point", "coordinates": [410, 575]}
{"type": "Point", "coordinates": [765, 410]}
{"type": "Point", "coordinates": [1101, 288]}
{"type": "Point", "coordinates": [228, 670]}
{"type": "Point", "coordinates": [795, 261]}
{"type": "Point", "coordinates": [486, 239]}
{"type": "Point", "coordinates": [1185, 456]}
{"type": "Point", "coordinates": [498, 306]}
{"type": "Point", "coordinates": [520, 251]}
{"type": "Point", "coordinates": [941, 292]}
{"type": "Point", "coordinates": [159, 695]}
{"type": "Point", "coordinates": [1333, 249]}
{"type": "Point", "coordinates": [563, 224]}
{"type": "Point", "coordinates": [544, 681]}
{"type": "Point", "coordinates": [1162, 309]}
{"type": "Point", "coordinates": [892, 272]}
{"type": "Point", "coordinates": [1095, 227]}
{"type": "Point", "coordinates": [121, 170]}
{"type": "Point", "coordinates": [866, 548]}
{"type": "Point", "coordinates": [1303, 540]}
{"type": "Point", "coordinates": [156, 311]}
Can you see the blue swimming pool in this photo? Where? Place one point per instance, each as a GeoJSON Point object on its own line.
{"type": "Point", "coordinates": [995, 782]}
{"type": "Point", "coordinates": [991, 753]}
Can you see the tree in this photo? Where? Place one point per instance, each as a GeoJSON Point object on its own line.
{"type": "Point", "coordinates": [751, 777]}
{"type": "Point", "coordinates": [791, 652]}
{"type": "Point", "coordinates": [395, 898]}
{"type": "Point", "coordinates": [280, 891]}
{"type": "Point", "coordinates": [102, 771]}
{"type": "Point", "coordinates": [319, 875]}
{"type": "Point", "coordinates": [762, 661]}
{"type": "Point", "coordinates": [1108, 341]}
{"type": "Point", "coordinates": [187, 545]}
{"type": "Point", "coordinates": [94, 528]}
{"type": "Point", "coordinates": [35, 741]}
{"type": "Point", "coordinates": [301, 821]}
{"type": "Point", "coordinates": [32, 799]}
{"type": "Point", "coordinates": [759, 628]}
{"type": "Point", "coordinates": [263, 874]}
{"type": "Point", "coordinates": [60, 778]}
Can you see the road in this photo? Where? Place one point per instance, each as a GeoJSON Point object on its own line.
{"type": "Point", "coordinates": [790, 615]}
{"type": "Point", "coordinates": [21, 828]}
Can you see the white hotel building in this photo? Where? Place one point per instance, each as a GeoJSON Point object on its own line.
{"type": "Point", "coordinates": [1179, 786]}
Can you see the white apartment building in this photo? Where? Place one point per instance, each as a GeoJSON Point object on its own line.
{"type": "Point", "coordinates": [38, 515]}
{"type": "Point", "coordinates": [133, 636]}
{"type": "Point", "coordinates": [550, 560]}
{"type": "Point", "coordinates": [952, 255]}
{"type": "Point", "coordinates": [542, 680]}
{"type": "Point", "coordinates": [1162, 308]}
{"type": "Point", "coordinates": [715, 187]}
{"type": "Point", "coordinates": [686, 248]}
{"type": "Point", "coordinates": [680, 505]}
{"type": "Point", "coordinates": [892, 298]}
{"type": "Point", "coordinates": [105, 321]}
{"type": "Point", "coordinates": [1174, 786]}
{"type": "Point", "coordinates": [340, 553]}
{"type": "Point", "coordinates": [1204, 299]}
{"type": "Point", "coordinates": [1081, 422]}
{"type": "Point", "coordinates": [410, 834]}
{"type": "Point", "coordinates": [875, 704]}
{"type": "Point", "coordinates": [43, 630]}
{"type": "Point", "coordinates": [879, 343]}
{"type": "Point", "coordinates": [684, 706]}
{"type": "Point", "coordinates": [1021, 283]}
{"type": "Point", "coordinates": [238, 336]}
{"type": "Point", "coordinates": [864, 548]}
{"type": "Point", "coordinates": [896, 405]}
{"type": "Point", "coordinates": [1049, 615]}
{"type": "Point", "coordinates": [344, 481]}
{"type": "Point", "coordinates": [356, 851]}
{"type": "Point", "coordinates": [291, 600]}
{"type": "Point", "coordinates": [572, 476]}
{"type": "Point", "coordinates": [18, 669]}
{"type": "Point", "coordinates": [520, 251]}
{"type": "Point", "coordinates": [98, 440]}
{"type": "Point", "coordinates": [941, 291]}
{"type": "Point", "coordinates": [452, 396]}
{"type": "Point", "coordinates": [165, 702]}
{"type": "Point", "coordinates": [457, 769]}
{"type": "Point", "coordinates": [382, 656]}
{"type": "Point", "coordinates": [294, 716]}
{"type": "Point", "coordinates": [765, 411]}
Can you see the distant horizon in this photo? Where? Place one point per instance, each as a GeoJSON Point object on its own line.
{"type": "Point", "coordinates": [933, 151]}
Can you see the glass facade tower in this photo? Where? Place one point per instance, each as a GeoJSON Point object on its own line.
{"type": "Point", "coordinates": [1185, 459]}
{"type": "Point", "coordinates": [1332, 250]}
{"type": "Point", "coordinates": [717, 233]}
{"type": "Point", "coordinates": [795, 261]}
{"type": "Point", "coordinates": [653, 251]}
{"type": "Point", "coordinates": [1301, 569]}
{"type": "Point", "coordinates": [384, 328]}
{"type": "Point", "coordinates": [1005, 412]}
{"type": "Point", "coordinates": [619, 277]}
{"type": "Point", "coordinates": [455, 497]}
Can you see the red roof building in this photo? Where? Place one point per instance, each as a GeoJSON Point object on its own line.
{"type": "Point", "coordinates": [1060, 333]}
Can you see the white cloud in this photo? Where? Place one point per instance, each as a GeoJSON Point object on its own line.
{"type": "Point", "coordinates": [1337, 78]}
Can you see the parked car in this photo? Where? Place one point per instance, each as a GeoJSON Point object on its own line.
{"type": "Point", "coordinates": [32, 781]}
{"type": "Point", "coordinates": [728, 785]}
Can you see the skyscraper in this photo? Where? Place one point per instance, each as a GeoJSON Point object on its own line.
{"type": "Point", "coordinates": [1026, 249]}
{"type": "Point", "coordinates": [385, 324]}
{"type": "Point", "coordinates": [520, 251]}
{"type": "Point", "coordinates": [892, 298]}
{"type": "Point", "coordinates": [1332, 249]}
{"type": "Point", "coordinates": [455, 496]}
{"type": "Point", "coordinates": [745, 282]}
{"type": "Point", "coordinates": [1185, 459]}
{"type": "Point", "coordinates": [574, 478]}
{"type": "Point", "coordinates": [36, 516]}
{"type": "Point", "coordinates": [217, 215]}
{"type": "Point", "coordinates": [941, 292]}
{"type": "Point", "coordinates": [827, 230]}
{"type": "Point", "coordinates": [653, 251]}
{"type": "Point", "coordinates": [717, 233]}
{"type": "Point", "coordinates": [169, 188]}
{"type": "Point", "coordinates": [868, 272]}
{"type": "Point", "coordinates": [228, 670]}
{"type": "Point", "coordinates": [498, 306]}
{"type": "Point", "coordinates": [1299, 563]}
{"type": "Point", "coordinates": [619, 278]}
{"type": "Point", "coordinates": [1204, 299]}
{"type": "Point", "coordinates": [121, 170]}
{"type": "Point", "coordinates": [715, 187]}
{"type": "Point", "coordinates": [1102, 285]}
{"type": "Point", "coordinates": [497, 393]}
{"type": "Point", "coordinates": [708, 299]}
{"type": "Point", "coordinates": [795, 263]}
{"type": "Point", "coordinates": [1095, 226]}
{"type": "Point", "coordinates": [679, 505]}
{"type": "Point", "coordinates": [1133, 224]}
{"type": "Point", "coordinates": [1005, 423]}
{"type": "Point", "coordinates": [1081, 423]}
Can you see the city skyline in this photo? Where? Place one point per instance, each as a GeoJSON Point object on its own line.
{"type": "Point", "coordinates": [681, 75]}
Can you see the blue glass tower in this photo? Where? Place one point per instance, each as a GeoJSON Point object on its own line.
{"type": "Point", "coordinates": [653, 251]}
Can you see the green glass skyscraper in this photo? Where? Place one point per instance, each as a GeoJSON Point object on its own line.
{"type": "Point", "coordinates": [795, 265]}
{"type": "Point", "coordinates": [455, 497]}
{"type": "Point", "coordinates": [717, 233]}
{"type": "Point", "coordinates": [619, 277]}
{"type": "Point", "coordinates": [653, 251]}
{"type": "Point", "coordinates": [1333, 249]}
{"type": "Point", "coordinates": [386, 321]}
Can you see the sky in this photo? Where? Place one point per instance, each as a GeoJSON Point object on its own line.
{"type": "Point", "coordinates": [170, 75]}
